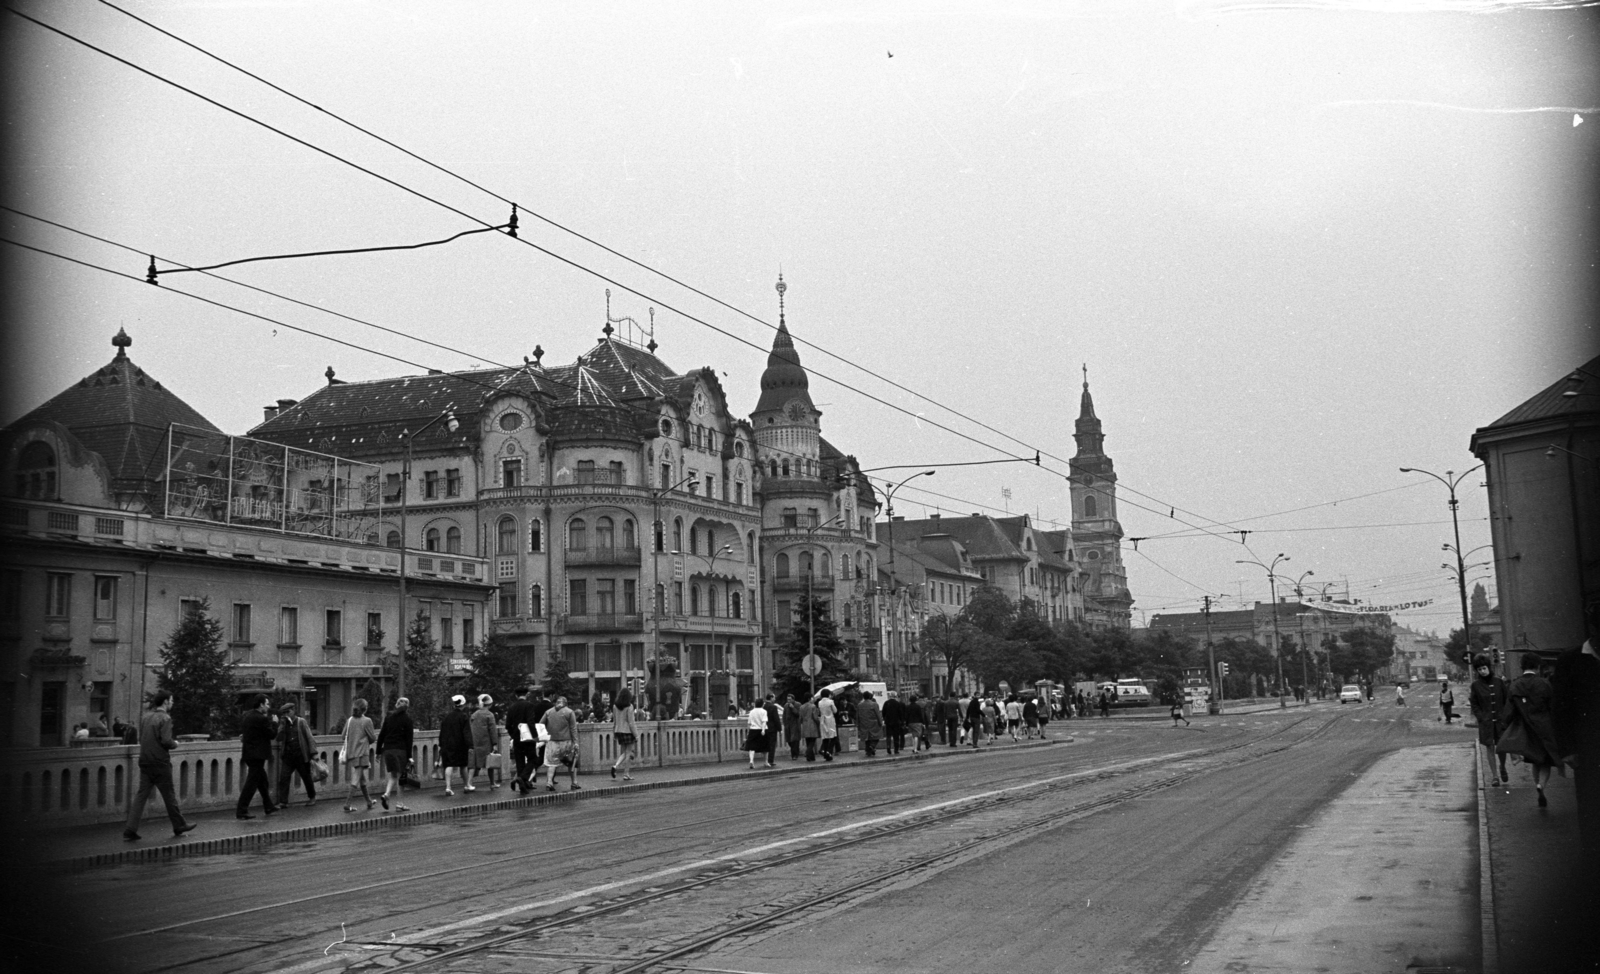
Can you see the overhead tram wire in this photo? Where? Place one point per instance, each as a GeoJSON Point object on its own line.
{"type": "Point", "coordinates": [1309, 507]}
{"type": "Point", "coordinates": [609, 280]}
{"type": "Point", "coordinates": [453, 374]}
{"type": "Point", "coordinates": [653, 270]}
{"type": "Point", "coordinates": [543, 250]}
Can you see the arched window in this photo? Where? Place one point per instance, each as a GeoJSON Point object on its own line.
{"type": "Point", "coordinates": [36, 471]}
{"type": "Point", "coordinates": [452, 540]}
{"type": "Point", "coordinates": [782, 569]}
{"type": "Point", "coordinates": [392, 539]}
{"type": "Point", "coordinates": [786, 468]}
{"type": "Point", "coordinates": [774, 468]}
{"type": "Point", "coordinates": [605, 533]}
{"type": "Point", "coordinates": [694, 539]}
{"type": "Point", "coordinates": [827, 564]}
{"type": "Point", "coordinates": [711, 600]}
{"type": "Point", "coordinates": [629, 538]}
{"type": "Point", "coordinates": [736, 604]}
{"type": "Point", "coordinates": [750, 547]}
{"type": "Point", "coordinates": [870, 575]}
{"type": "Point", "coordinates": [677, 534]}
{"type": "Point", "coordinates": [507, 543]}
{"type": "Point", "coordinates": [661, 536]}
{"type": "Point", "coordinates": [430, 539]}
{"type": "Point", "coordinates": [858, 564]}
{"type": "Point", "coordinates": [1089, 506]}
{"type": "Point", "coordinates": [694, 600]}
{"type": "Point", "coordinates": [805, 563]}
{"type": "Point", "coordinates": [577, 535]}
{"type": "Point", "coordinates": [711, 541]}
{"type": "Point", "coordinates": [844, 567]}
{"type": "Point", "coordinates": [536, 601]}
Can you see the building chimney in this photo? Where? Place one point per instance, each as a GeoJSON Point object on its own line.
{"type": "Point", "coordinates": [285, 404]}
{"type": "Point", "coordinates": [934, 516]}
{"type": "Point", "coordinates": [271, 413]}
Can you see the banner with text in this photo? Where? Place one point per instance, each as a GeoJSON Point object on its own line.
{"type": "Point", "coordinates": [1364, 608]}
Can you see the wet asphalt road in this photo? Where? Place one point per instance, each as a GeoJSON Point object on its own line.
{"type": "Point", "coordinates": [1107, 854]}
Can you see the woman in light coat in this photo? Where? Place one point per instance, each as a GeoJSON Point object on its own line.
{"type": "Point", "coordinates": [828, 719]}
{"type": "Point", "coordinates": [359, 736]}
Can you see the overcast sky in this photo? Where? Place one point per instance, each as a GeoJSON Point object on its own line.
{"type": "Point", "coordinates": [1298, 245]}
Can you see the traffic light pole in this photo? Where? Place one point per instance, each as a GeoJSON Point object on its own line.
{"type": "Point", "coordinates": [1211, 656]}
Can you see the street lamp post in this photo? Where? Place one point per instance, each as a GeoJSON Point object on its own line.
{"type": "Point", "coordinates": [1277, 642]}
{"type": "Point", "coordinates": [655, 561]}
{"type": "Point", "coordinates": [1450, 480]}
{"type": "Point", "coordinates": [711, 605]}
{"type": "Point", "coordinates": [448, 417]}
{"type": "Point", "coordinates": [893, 608]}
{"type": "Point", "coordinates": [811, 609]}
{"type": "Point", "coordinates": [1305, 684]}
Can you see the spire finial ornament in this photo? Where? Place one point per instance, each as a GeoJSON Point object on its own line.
{"type": "Point", "coordinates": [782, 287]}
{"type": "Point", "coordinates": [652, 346]}
{"type": "Point", "coordinates": [1086, 376]}
{"type": "Point", "coordinates": [538, 353]}
{"type": "Point", "coordinates": [122, 341]}
{"type": "Point", "coordinates": [608, 329]}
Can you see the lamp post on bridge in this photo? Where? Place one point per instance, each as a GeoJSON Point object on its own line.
{"type": "Point", "coordinates": [1277, 641]}
{"type": "Point", "coordinates": [448, 417]}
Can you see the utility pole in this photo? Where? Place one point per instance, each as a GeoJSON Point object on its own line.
{"type": "Point", "coordinates": [1211, 658]}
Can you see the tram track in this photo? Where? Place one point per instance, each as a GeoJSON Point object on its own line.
{"type": "Point", "coordinates": [701, 941]}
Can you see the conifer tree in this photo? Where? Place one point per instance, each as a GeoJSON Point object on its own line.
{"type": "Point", "coordinates": [197, 671]}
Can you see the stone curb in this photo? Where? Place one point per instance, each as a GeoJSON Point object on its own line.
{"type": "Point", "coordinates": [243, 843]}
{"type": "Point", "coordinates": [1489, 938]}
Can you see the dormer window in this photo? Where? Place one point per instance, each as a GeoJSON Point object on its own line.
{"type": "Point", "coordinates": [36, 472]}
{"type": "Point", "coordinates": [510, 421]}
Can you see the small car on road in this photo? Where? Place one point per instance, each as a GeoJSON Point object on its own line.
{"type": "Point", "coordinates": [1350, 693]}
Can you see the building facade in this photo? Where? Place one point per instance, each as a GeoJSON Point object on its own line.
{"type": "Point", "coordinates": [1542, 464]}
{"type": "Point", "coordinates": [1008, 553]}
{"type": "Point", "coordinates": [615, 500]}
{"type": "Point", "coordinates": [125, 510]}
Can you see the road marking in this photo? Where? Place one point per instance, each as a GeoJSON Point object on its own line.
{"type": "Point", "coordinates": [430, 935]}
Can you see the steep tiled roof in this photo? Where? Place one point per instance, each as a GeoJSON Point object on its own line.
{"type": "Point", "coordinates": [1552, 403]}
{"type": "Point", "coordinates": [981, 536]}
{"type": "Point", "coordinates": [602, 393]}
{"type": "Point", "coordinates": [122, 413]}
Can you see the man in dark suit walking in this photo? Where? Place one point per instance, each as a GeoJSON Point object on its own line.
{"type": "Point", "coordinates": [256, 733]}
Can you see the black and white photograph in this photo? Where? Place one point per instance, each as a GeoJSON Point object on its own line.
{"type": "Point", "coordinates": [775, 488]}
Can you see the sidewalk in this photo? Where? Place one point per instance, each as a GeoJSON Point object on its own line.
{"type": "Point", "coordinates": [87, 846]}
{"type": "Point", "coordinates": [1543, 914]}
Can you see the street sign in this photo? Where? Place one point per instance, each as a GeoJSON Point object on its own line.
{"type": "Point", "coordinates": [811, 663]}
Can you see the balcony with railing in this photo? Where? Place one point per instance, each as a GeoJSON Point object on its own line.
{"type": "Point", "coordinates": [605, 622]}
{"type": "Point", "coordinates": [819, 582]}
{"type": "Point", "coordinates": [604, 556]}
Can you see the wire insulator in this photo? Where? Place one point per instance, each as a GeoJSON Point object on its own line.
{"type": "Point", "coordinates": [511, 227]}
{"type": "Point", "coordinates": [150, 273]}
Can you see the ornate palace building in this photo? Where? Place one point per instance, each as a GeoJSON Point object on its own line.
{"type": "Point", "coordinates": [615, 498]}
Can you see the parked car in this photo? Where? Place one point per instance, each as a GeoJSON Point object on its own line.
{"type": "Point", "coordinates": [1133, 693]}
{"type": "Point", "coordinates": [1351, 692]}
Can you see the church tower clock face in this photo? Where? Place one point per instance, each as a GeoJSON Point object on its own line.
{"type": "Point", "coordinates": [795, 410]}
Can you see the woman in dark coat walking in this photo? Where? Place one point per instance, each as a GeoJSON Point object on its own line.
{"type": "Point", "coordinates": [455, 743]}
{"type": "Point", "coordinates": [1487, 696]}
{"type": "Point", "coordinates": [1528, 704]}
